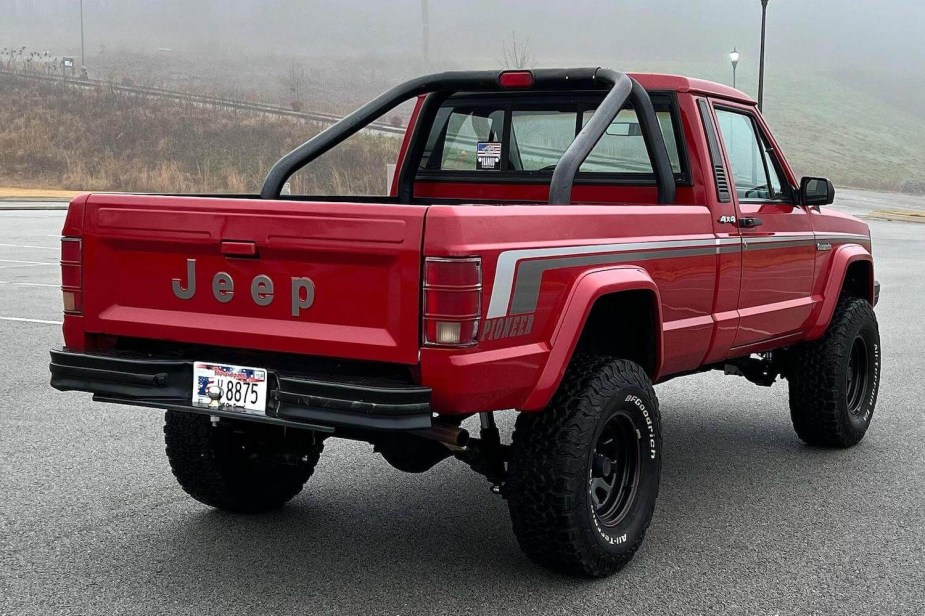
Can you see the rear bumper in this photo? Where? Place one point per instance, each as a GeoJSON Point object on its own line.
{"type": "Point", "coordinates": [293, 399]}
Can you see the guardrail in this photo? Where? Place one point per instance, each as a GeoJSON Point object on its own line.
{"type": "Point", "coordinates": [202, 99]}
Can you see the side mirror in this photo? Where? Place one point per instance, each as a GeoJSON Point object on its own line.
{"type": "Point", "coordinates": [816, 191]}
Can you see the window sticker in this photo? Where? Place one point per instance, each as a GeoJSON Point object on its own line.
{"type": "Point", "coordinates": [488, 156]}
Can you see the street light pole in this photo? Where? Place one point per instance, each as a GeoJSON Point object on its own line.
{"type": "Point", "coordinates": [734, 57]}
{"type": "Point", "coordinates": [82, 59]}
{"type": "Point", "coordinates": [425, 16]}
{"type": "Point", "coordinates": [764, 15]}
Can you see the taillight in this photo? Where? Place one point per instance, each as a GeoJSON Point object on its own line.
{"type": "Point", "coordinates": [452, 300]}
{"type": "Point", "coordinates": [72, 275]}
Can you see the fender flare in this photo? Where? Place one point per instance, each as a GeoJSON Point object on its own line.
{"type": "Point", "coordinates": [842, 258]}
{"type": "Point", "coordinates": [588, 288]}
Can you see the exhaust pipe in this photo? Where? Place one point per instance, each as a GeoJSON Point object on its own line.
{"type": "Point", "coordinates": [451, 436]}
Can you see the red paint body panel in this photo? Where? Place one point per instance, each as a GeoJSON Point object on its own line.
{"type": "Point", "coordinates": [686, 286]}
{"type": "Point", "coordinates": [776, 293]}
{"type": "Point", "coordinates": [721, 291]}
{"type": "Point", "coordinates": [363, 260]}
{"type": "Point", "coordinates": [690, 85]}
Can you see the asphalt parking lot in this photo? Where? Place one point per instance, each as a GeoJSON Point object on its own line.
{"type": "Point", "coordinates": [749, 520]}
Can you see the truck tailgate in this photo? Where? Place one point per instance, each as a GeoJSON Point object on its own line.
{"type": "Point", "coordinates": [337, 279]}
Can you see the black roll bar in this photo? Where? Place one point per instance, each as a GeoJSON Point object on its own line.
{"type": "Point", "coordinates": [622, 89]}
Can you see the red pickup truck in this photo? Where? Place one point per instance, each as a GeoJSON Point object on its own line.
{"type": "Point", "coordinates": [556, 241]}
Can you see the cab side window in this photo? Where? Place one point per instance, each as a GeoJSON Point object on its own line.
{"type": "Point", "coordinates": [753, 166]}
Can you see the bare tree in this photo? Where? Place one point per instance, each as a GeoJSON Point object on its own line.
{"type": "Point", "coordinates": [295, 80]}
{"type": "Point", "coordinates": [515, 53]}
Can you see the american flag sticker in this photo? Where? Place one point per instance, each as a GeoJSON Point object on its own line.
{"type": "Point", "coordinates": [488, 156]}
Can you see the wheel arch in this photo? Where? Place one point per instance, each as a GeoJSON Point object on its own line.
{"type": "Point", "coordinates": [851, 272]}
{"type": "Point", "coordinates": [858, 280]}
{"type": "Point", "coordinates": [585, 325]}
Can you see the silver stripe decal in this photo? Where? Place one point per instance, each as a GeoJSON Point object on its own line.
{"type": "Point", "coordinates": [780, 237]}
{"type": "Point", "coordinates": [529, 274]}
{"type": "Point", "coordinates": [752, 244]}
{"type": "Point", "coordinates": [509, 260]}
{"type": "Point", "coordinates": [843, 237]}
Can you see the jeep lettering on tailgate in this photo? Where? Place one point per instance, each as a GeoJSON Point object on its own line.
{"type": "Point", "coordinates": [302, 290]}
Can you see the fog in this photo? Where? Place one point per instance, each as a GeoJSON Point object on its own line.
{"type": "Point", "coordinates": [844, 90]}
{"type": "Point", "coordinates": [884, 36]}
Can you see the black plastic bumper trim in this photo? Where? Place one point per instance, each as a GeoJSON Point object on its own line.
{"type": "Point", "coordinates": [119, 376]}
{"type": "Point", "coordinates": [292, 400]}
{"type": "Point", "coordinates": [159, 404]}
{"type": "Point", "coordinates": [876, 292]}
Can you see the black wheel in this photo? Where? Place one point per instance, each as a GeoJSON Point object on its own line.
{"type": "Point", "coordinates": [583, 474]}
{"type": "Point", "coordinates": [834, 380]}
{"type": "Point", "coordinates": [239, 466]}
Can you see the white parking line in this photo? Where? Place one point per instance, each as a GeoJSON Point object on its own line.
{"type": "Point", "coordinates": [40, 321]}
{"type": "Point", "coordinates": [25, 265]}
{"type": "Point", "coordinates": [36, 247]}
{"type": "Point", "coordinates": [29, 262]}
{"type": "Point", "coordinates": [30, 284]}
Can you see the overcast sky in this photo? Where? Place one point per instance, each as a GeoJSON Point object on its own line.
{"type": "Point", "coordinates": [884, 35]}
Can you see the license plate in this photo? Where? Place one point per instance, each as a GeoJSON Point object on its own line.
{"type": "Point", "coordinates": [230, 388]}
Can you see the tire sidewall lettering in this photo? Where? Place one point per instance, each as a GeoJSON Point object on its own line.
{"type": "Point", "coordinates": [870, 334]}
{"type": "Point", "coordinates": [646, 422]}
{"type": "Point", "coordinates": [650, 424]}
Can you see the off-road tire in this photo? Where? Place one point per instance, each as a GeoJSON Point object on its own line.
{"type": "Point", "coordinates": [820, 388]}
{"type": "Point", "coordinates": [239, 466]}
{"type": "Point", "coordinates": [549, 482]}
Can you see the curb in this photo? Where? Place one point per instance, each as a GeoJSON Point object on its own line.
{"type": "Point", "coordinates": [23, 207]}
{"type": "Point", "coordinates": [897, 216]}
{"type": "Point", "coordinates": [34, 199]}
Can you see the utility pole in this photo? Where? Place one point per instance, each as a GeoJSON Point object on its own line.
{"type": "Point", "coordinates": [764, 15]}
{"type": "Point", "coordinates": [425, 15]}
{"type": "Point", "coordinates": [83, 61]}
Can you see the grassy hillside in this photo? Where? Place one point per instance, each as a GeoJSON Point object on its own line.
{"type": "Point", "coordinates": [80, 139]}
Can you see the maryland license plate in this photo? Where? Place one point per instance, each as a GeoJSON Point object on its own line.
{"type": "Point", "coordinates": [230, 388]}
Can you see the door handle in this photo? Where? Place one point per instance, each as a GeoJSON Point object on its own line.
{"type": "Point", "coordinates": [750, 223]}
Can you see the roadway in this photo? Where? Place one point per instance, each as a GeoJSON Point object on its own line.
{"type": "Point", "coordinates": [749, 521]}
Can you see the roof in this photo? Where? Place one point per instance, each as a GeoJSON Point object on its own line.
{"type": "Point", "coordinates": [658, 81]}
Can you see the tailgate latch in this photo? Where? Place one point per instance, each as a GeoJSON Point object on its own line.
{"type": "Point", "coordinates": [239, 249]}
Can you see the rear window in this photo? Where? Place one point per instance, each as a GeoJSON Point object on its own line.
{"type": "Point", "coordinates": [500, 138]}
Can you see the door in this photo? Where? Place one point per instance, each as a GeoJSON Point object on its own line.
{"type": "Point", "coordinates": [778, 247]}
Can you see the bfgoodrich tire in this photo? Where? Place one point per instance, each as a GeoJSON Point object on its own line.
{"type": "Point", "coordinates": [834, 381]}
{"type": "Point", "coordinates": [583, 474]}
{"type": "Point", "coordinates": [239, 466]}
